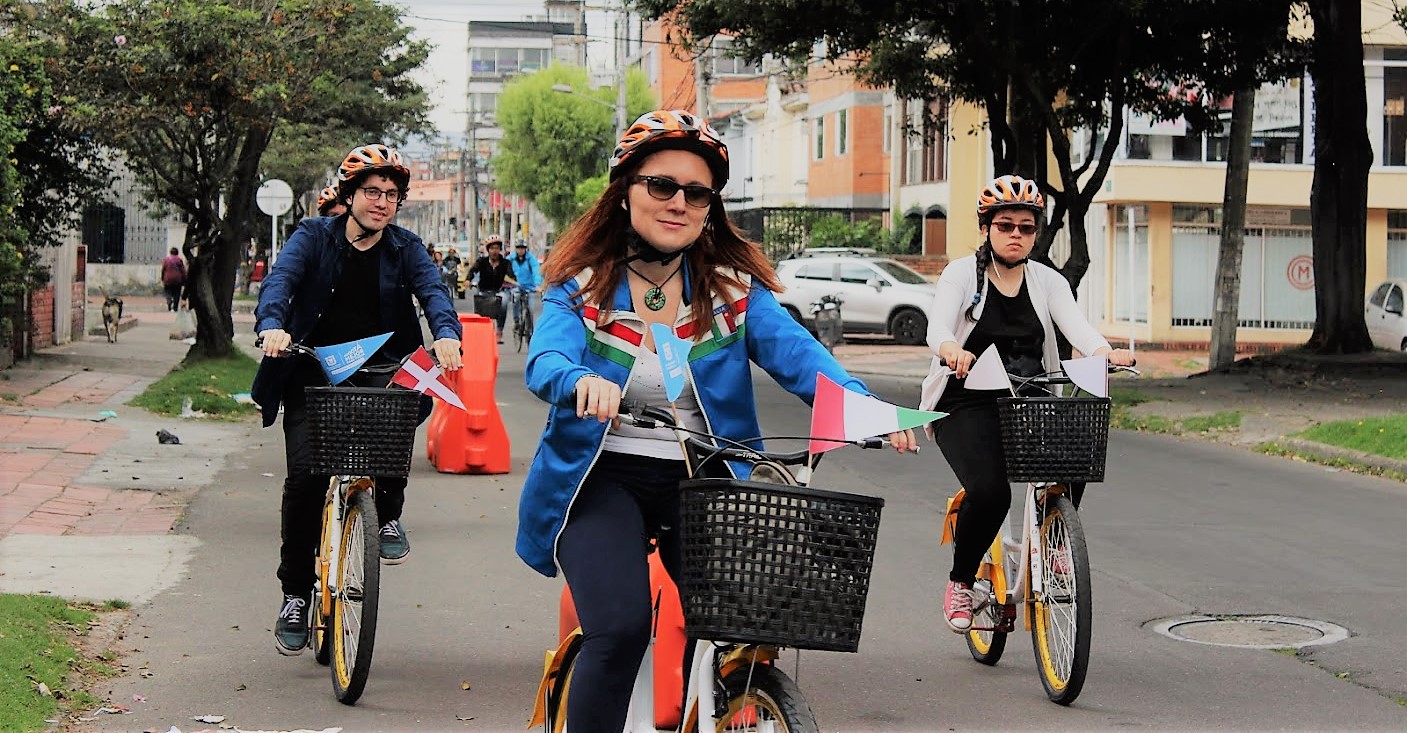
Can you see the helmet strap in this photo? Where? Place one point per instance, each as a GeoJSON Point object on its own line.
{"type": "Point", "coordinates": [1008, 264]}
{"type": "Point", "coordinates": [366, 231]}
{"type": "Point", "coordinates": [645, 252]}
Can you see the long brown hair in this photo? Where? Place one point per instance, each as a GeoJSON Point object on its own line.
{"type": "Point", "coordinates": [597, 240]}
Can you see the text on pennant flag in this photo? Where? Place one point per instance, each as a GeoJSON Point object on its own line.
{"type": "Point", "coordinates": [340, 361]}
{"type": "Point", "coordinates": [673, 353]}
{"type": "Point", "coordinates": [420, 373]}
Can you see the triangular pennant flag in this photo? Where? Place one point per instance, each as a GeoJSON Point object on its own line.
{"type": "Point", "coordinates": [840, 414]}
{"type": "Point", "coordinates": [988, 372]}
{"type": "Point", "coordinates": [340, 361]}
{"type": "Point", "coordinates": [420, 373]}
{"type": "Point", "coordinates": [1090, 374]}
{"type": "Point", "coordinates": [674, 359]}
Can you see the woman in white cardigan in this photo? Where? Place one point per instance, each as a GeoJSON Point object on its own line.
{"type": "Point", "coordinates": [994, 297]}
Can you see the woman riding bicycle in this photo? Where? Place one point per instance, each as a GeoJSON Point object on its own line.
{"type": "Point", "coordinates": [994, 297]}
{"type": "Point", "coordinates": [655, 248]}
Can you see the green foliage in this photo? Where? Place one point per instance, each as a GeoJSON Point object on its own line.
{"type": "Point", "coordinates": [207, 383]}
{"type": "Point", "coordinates": [588, 191]}
{"type": "Point", "coordinates": [1383, 436]}
{"type": "Point", "coordinates": [1218, 422]}
{"type": "Point", "coordinates": [836, 231]}
{"type": "Point", "coordinates": [35, 648]}
{"type": "Point", "coordinates": [553, 141]}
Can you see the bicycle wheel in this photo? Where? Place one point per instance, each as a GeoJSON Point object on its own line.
{"type": "Point", "coordinates": [322, 650]}
{"type": "Point", "coordinates": [763, 699]}
{"type": "Point", "coordinates": [986, 646]}
{"type": "Point", "coordinates": [358, 590]}
{"type": "Point", "coordinates": [1061, 613]}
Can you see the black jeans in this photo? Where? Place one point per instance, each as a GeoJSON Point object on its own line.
{"type": "Point", "coordinates": [173, 296]}
{"type": "Point", "coordinates": [303, 496]}
{"type": "Point", "coordinates": [970, 438]}
{"type": "Point", "coordinates": [602, 550]}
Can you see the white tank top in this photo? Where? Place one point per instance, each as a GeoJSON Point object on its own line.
{"type": "Point", "coordinates": [647, 385]}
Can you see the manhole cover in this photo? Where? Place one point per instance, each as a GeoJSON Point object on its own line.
{"type": "Point", "coordinates": [1250, 632]}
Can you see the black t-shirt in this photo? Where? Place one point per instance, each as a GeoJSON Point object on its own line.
{"type": "Point", "coordinates": [491, 276]}
{"type": "Point", "coordinates": [353, 312]}
{"type": "Point", "coordinates": [1011, 323]}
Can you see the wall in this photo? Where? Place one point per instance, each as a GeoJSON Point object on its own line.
{"type": "Point", "coordinates": [124, 279]}
{"type": "Point", "coordinates": [41, 316]}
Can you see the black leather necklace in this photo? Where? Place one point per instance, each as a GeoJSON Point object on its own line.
{"type": "Point", "coordinates": [654, 297]}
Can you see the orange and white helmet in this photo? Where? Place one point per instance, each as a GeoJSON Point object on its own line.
{"type": "Point", "coordinates": [373, 158]}
{"type": "Point", "coordinates": [327, 198]}
{"type": "Point", "coordinates": [1007, 192]}
{"type": "Point", "coordinates": [671, 129]}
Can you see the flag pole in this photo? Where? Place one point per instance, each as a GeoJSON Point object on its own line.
{"type": "Point", "coordinates": [679, 436]}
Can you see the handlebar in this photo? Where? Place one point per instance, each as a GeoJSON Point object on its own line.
{"type": "Point", "coordinates": [1055, 377]}
{"type": "Point", "coordinates": [370, 369]}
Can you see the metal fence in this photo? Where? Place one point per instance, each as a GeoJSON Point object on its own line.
{"type": "Point", "coordinates": [785, 230]}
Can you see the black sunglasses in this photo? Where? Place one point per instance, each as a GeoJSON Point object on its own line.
{"type": "Point", "coordinates": [664, 189]}
{"type": "Point", "coordinates": [1007, 227]}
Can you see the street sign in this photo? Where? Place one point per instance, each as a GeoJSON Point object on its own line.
{"type": "Point", "coordinates": [275, 197]}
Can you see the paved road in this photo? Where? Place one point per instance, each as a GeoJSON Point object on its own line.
{"type": "Point", "coordinates": [1180, 527]}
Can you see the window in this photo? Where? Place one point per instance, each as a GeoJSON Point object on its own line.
{"type": "Point", "coordinates": [1380, 295]}
{"type": "Point", "coordinates": [482, 103]}
{"type": "Point", "coordinates": [1394, 109]}
{"type": "Point", "coordinates": [900, 272]}
{"type": "Point", "coordinates": [888, 134]}
{"type": "Point", "coordinates": [925, 143]}
{"type": "Point", "coordinates": [815, 271]}
{"type": "Point", "coordinates": [841, 131]}
{"type": "Point", "coordinates": [1394, 301]}
{"type": "Point", "coordinates": [483, 61]}
{"type": "Point", "coordinates": [855, 272]}
{"type": "Point", "coordinates": [506, 61]}
{"type": "Point", "coordinates": [536, 58]}
{"type": "Point", "coordinates": [820, 138]}
{"type": "Point", "coordinates": [727, 62]}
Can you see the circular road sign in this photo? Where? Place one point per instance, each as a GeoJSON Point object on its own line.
{"type": "Point", "coordinates": [275, 197]}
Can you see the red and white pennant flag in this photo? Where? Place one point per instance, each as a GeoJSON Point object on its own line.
{"type": "Point", "coordinates": [423, 375]}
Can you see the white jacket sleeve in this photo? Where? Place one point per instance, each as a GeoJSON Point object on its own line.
{"type": "Point", "coordinates": [1065, 312]}
{"type": "Point", "coordinates": [949, 301]}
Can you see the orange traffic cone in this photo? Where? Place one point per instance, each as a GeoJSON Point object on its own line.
{"type": "Point", "coordinates": [472, 440]}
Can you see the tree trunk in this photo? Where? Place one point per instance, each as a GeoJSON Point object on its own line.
{"type": "Point", "coordinates": [1338, 198]}
{"type": "Point", "coordinates": [1226, 302]}
{"type": "Point", "coordinates": [202, 247]}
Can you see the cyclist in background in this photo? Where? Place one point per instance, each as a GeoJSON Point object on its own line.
{"type": "Point", "coordinates": [527, 274]}
{"type": "Point", "coordinates": [655, 248]}
{"type": "Point", "coordinates": [329, 204]}
{"type": "Point", "coordinates": [338, 280]}
{"type": "Point", "coordinates": [994, 297]}
{"type": "Point", "coordinates": [491, 273]}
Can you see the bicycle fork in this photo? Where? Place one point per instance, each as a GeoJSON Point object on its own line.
{"type": "Point", "coordinates": [339, 497]}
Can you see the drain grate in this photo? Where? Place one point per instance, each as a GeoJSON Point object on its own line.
{"type": "Point", "coordinates": [1250, 632]}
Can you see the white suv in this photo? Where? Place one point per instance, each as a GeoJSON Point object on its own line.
{"type": "Point", "coordinates": [878, 295]}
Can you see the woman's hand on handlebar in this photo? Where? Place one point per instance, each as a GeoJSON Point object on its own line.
{"type": "Point", "coordinates": [597, 397]}
{"type": "Point", "coordinates": [1119, 357]}
{"type": "Point", "coordinates": [275, 342]}
{"type": "Point", "coordinates": [903, 442]}
{"type": "Point", "coordinates": [956, 358]}
{"type": "Point", "coordinates": [447, 352]}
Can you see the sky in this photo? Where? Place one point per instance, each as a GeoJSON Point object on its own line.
{"type": "Point", "coordinates": [442, 23]}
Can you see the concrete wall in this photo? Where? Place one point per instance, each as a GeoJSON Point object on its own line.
{"type": "Point", "coordinates": [124, 279]}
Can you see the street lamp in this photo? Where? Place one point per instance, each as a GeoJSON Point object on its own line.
{"type": "Point", "coordinates": [618, 108]}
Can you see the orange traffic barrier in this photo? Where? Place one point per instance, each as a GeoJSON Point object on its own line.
{"type": "Point", "coordinates": [472, 440]}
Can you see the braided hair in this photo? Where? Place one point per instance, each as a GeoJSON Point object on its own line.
{"type": "Point", "coordinates": [984, 259]}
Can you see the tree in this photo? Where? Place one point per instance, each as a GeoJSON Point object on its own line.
{"type": "Point", "coordinates": [1041, 69]}
{"type": "Point", "coordinates": [1226, 299]}
{"type": "Point", "coordinates": [553, 141]}
{"type": "Point", "coordinates": [1338, 197]}
{"type": "Point", "coordinates": [192, 93]}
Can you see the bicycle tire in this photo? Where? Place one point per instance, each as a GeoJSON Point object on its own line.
{"type": "Point", "coordinates": [1062, 612]}
{"type": "Point", "coordinates": [770, 692]}
{"type": "Point", "coordinates": [318, 636]}
{"type": "Point", "coordinates": [986, 646]}
{"type": "Point", "coordinates": [358, 592]}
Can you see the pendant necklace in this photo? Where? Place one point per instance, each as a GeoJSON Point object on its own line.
{"type": "Point", "coordinates": [654, 297]}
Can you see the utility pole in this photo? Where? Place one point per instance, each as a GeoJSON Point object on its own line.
{"type": "Point", "coordinates": [622, 27]}
{"type": "Point", "coordinates": [701, 71]}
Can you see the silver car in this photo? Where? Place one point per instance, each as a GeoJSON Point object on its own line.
{"type": "Point", "coordinates": [878, 295]}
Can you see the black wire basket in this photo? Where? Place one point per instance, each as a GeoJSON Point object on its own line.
{"type": "Point", "coordinates": [782, 565]}
{"type": "Point", "coordinates": [1055, 439]}
{"type": "Point", "coordinates": [361, 431]}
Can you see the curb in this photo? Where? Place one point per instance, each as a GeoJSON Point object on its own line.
{"type": "Point", "coordinates": [1332, 453]}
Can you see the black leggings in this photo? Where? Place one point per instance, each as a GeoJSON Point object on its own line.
{"type": "Point", "coordinates": [303, 496]}
{"type": "Point", "coordinates": [602, 551]}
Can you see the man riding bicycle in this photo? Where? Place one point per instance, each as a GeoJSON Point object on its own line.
{"type": "Point", "coordinates": [490, 274]}
{"type": "Point", "coordinates": [338, 280]}
{"type": "Point", "coordinates": [527, 274]}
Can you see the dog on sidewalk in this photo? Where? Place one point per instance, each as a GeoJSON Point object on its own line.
{"type": "Point", "coordinates": [112, 316]}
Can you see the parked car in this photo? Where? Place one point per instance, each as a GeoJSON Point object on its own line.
{"type": "Point", "coordinates": [1383, 314]}
{"type": "Point", "coordinates": [878, 295]}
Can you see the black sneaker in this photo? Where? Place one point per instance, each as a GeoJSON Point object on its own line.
{"type": "Point", "coordinates": [291, 629]}
{"type": "Point", "coordinates": [394, 543]}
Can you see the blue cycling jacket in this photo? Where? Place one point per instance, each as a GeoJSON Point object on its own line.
{"type": "Point", "coordinates": [527, 273]}
{"type": "Point", "coordinates": [298, 288]}
{"type": "Point", "coordinates": [569, 343]}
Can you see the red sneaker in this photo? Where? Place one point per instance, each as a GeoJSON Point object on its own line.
{"type": "Point", "coordinates": [957, 606]}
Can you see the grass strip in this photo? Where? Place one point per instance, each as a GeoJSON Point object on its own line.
{"type": "Point", "coordinates": [35, 648]}
{"type": "Point", "coordinates": [1273, 448]}
{"type": "Point", "coordinates": [207, 383]}
{"type": "Point", "coordinates": [1381, 436]}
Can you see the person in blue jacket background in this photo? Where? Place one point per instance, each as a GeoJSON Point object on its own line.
{"type": "Point", "coordinates": [655, 248]}
{"type": "Point", "coordinates": [338, 280]}
{"type": "Point", "coordinates": [527, 273]}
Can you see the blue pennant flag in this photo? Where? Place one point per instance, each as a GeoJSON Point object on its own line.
{"type": "Point", "coordinates": [340, 361]}
{"type": "Point", "coordinates": [674, 359]}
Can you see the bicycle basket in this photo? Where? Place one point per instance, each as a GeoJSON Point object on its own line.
{"type": "Point", "coordinates": [361, 431]}
{"type": "Point", "coordinates": [774, 564]}
{"type": "Point", "coordinates": [1054, 438]}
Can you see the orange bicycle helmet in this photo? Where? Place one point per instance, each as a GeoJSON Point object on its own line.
{"type": "Point", "coordinates": [368, 158]}
{"type": "Point", "coordinates": [1007, 192]}
{"type": "Point", "coordinates": [671, 129]}
{"type": "Point", "coordinates": [327, 197]}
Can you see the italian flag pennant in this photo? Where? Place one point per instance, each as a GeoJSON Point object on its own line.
{"type": "Point", "coordinates": [839, 414]}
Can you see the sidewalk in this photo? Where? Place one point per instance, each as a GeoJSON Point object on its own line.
{"type": "Point", "coordinates": [88, 496]}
